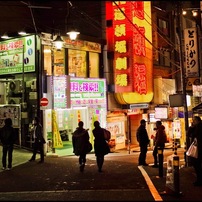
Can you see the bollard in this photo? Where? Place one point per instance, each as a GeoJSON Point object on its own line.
{"type": "Point", "coordinates": [176, 175]}
{"type": "Point", "coordinates": [173, 176]}
{"type": "Point", "coordinates": [175, 149]}
{"type": "Point", "coordinates": [160, 160]}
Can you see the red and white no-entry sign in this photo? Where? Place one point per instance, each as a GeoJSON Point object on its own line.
{"type": "Point", "coordinates": [43, 102]}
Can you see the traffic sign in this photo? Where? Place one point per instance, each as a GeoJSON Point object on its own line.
{"type": "Point", "coordinates": [44, 102]}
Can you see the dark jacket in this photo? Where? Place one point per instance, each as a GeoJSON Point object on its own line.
{"type": "Point", "coordinates": [142, 135]}
{"type": "Point", "coordinates": [80, 140]}
{"type": "Point", "coordinates": [39, 134]}
{"type": "Point", "coordinates": [100, 145]}
{"type": "Point", "coordinates": [161, 137]}
{"type": "Point", "coordinates": [198, 134]}
{"type": "Point", "coordinates": [7, 135]}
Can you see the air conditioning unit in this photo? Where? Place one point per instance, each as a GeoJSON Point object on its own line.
{"type": "Point", "coordinates": [14, 100]}
{"type": "Point", "coordinates": [16, 86]}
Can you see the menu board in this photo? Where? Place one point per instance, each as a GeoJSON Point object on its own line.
{"type": "Point", "coordinates": [10, 111]}
{"type": "Point", "coordinates": [161, 112]}
{"type": "Point", "coordinates": [61, 86]}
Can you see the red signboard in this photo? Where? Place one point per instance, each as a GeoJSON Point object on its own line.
{"type": "Point", "coordinates": [44, 102]}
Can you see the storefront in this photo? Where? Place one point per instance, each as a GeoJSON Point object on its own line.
{"type": "Point", "coordinates": [72, 82]}
{"type": "Point", "coordinates": [87, 103]}
{"type": "Point", "coordinates": [19, 81]}
{"type": "Point", "coordinates": [27, 65]}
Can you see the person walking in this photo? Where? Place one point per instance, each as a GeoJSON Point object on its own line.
{"type": "Point", "coordinates": [197, 162]}
{"type": "Point", "coordinates": [8, 138]}
{"type": "Point", "coordinates": [38, 140]}
{"type": "Point", "coordinates": [143, 139]}
{"type": "Point", "coordinates": [80, 141]}
{"type": "Point", "coordinates": [159, 141]}
{"type": "Point", "coordinates": [100, 145]}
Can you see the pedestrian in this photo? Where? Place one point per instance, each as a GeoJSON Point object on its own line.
{"type": "Point", "coordinates": [80, 141]}
{"type": "Point", "coordinates": [197, 162]}
{"type": "Point", "coordinates": [143, 139]}
{"type": "Point", "coordinates": [38, 140]}
{"type": "Point", "coordinates": [8, 138]}
{"type": "Point", "coordinates": [159, 141]}
{"type": "Point", "coordinates": [100, 145]}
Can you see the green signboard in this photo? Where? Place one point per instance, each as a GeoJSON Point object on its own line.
{"type": "Point", "coordinates": [16, 52]}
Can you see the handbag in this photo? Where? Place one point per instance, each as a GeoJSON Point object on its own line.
{"type": "Point", "coordinates": [106, 148]}
{"type": "Point", "coordinates": [193, 149]}
{"type": "Point", "coordinates": [89, 147]}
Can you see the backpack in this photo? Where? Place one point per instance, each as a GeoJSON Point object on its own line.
{"type": "Point", "coordinates": [107, 134]}
{"type": "Point", "coordinates": [164, 137]}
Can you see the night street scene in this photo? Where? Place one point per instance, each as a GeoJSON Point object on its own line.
{"type": "Point", "coordinates": [100, 100]}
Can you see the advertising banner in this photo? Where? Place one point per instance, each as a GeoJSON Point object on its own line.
{"type": "Point", "coordinates": [15, 52]}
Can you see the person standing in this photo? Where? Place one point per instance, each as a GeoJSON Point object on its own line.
{"type": "Point", "coordinates": [143, 139]}
{"type": "Point", "coordinates": [159, 141]}
{"type": "Point", "coordinates": [38, 140]}
{"type": "Point", "coordinates": [100, 145]}
{"type": "Point", "coordinates": [8, 137]}
{"type": "Point", "coordinates": [80, 141]}
{"type": "Point", "coordinates": [197, 162]}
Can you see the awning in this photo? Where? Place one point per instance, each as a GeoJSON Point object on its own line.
{"type": "Point", "coordinates": [197, 109]}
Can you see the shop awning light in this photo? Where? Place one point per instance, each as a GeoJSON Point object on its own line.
{"type": "Point", "coordinates": [194, 13]}
{"type": "Point", "coordinates": [22, 33]}
{"type": "Point", "coordinates": [5, 36]}
{"type": "Point", "coordinates": [73, 34]}
{"type": "Point", "coordinates": [184, 12]}
{"type": "Point", "coordinates": [58, 42]}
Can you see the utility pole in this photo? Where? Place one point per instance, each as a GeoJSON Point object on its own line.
{"type": "Point", "coordinates": [183, 75]}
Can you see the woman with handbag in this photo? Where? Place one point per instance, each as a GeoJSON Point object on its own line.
{"type": "Point", "coordinates": [39, 140]}
{"type": "Point", "coordinates": [100, 145]}
{"type": "Point", "coordinates": [81, 144]}
{"type": "Point", "coordinates": [197, 162]}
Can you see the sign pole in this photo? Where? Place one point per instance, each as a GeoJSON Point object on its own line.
{"type": "Point", "coordinates": [183, 75]}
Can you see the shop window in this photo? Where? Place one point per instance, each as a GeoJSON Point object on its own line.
{"type": "Point", "coordinates": [164, 58]}
{"type": "Point", "coordinates": [77, 63]}
{"type": "Point", "coordinates": [58, 56]}
{"type": "Point", "coordinates": [47, 59]}
{"type": "Point", "coordinates": [59, 67]}
{"type": "Point", "coordinates": [93, 65]}
{"type": "Point", "coordinates": [163, 26]}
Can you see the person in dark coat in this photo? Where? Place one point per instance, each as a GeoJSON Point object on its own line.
{"type": "Point", "coordinates": [100, 145]}
{"type": "Point", "coordinates": [143, 139]}
{"type": "Point", "coordinates": [8, 138]}
{"type": "Point", "coordinates": [38, 140]}
{"type": "Point", "coordinates": [197, 162]}
{"type": "Point", "coordinates": [80, 141]}
{"type": "Point", "coordinates": [159, 141]}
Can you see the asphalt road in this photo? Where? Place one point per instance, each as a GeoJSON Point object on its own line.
{"type": "Point", "coordinates": [59, 179]}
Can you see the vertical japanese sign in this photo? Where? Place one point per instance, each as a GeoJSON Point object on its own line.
{"type": "Point", "coordinates": [142, 62]}
{"type": "Point", "coordinates": [191, 52]}
{"type": "Point", "coordinates": [122, 30]}
{"type": "Point", "coordinates": [131, 31]}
